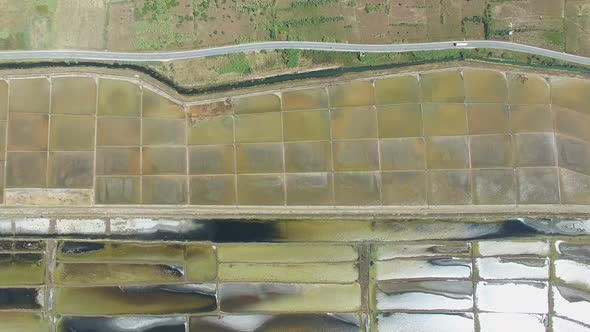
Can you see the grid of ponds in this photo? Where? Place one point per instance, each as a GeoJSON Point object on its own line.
{"type": "Point", "coordinates": [448, 137]}
{"type": "Point", "coordinates": [127, 274]}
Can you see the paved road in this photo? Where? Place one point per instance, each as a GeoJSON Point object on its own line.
{"type": "Point", "coordinates": [278, 45]}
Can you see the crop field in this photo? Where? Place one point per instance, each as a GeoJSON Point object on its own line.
{"type": "Point", "coordinates": [86, 31]}
{"type": "Point", "coordinates": [577, 26]}
{"type": "Point", "coordinates": [181, 24]}
{"type": "Point", "coordinates": [120, 30]}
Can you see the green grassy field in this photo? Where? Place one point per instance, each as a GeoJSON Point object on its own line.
{"type": "Point", "coordinates": [183, 24]}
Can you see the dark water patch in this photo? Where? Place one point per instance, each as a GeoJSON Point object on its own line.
{"type": "Point", "coordinates": [34, 259]}
{"type": "Point", "coordinates": [20, 298]}
{"type": "Point", "coordinates": [6, 245]}
{"type": "Point", "coordinates": [29, 245]}
{"type": "Point", "coordinates": [517, 228]}
{"type": "Point", "coordinates": [508, 229]}
{"type": "Point", "coordinates": [81, 247]}
{"type": "Point", "coordinates": [218, 230]}
{"type": "Point", "coordinates": [243, 231]}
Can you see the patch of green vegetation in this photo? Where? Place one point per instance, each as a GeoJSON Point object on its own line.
{"type": "Point", "coordinates": [331, 58]}
{"type": "Point", "coordinates": [291, 57]}
{"type": "Point", "coordinates": [238, 63]}
{"type": "Point", "coordinates": [353, 59]}
{"type": "Point", "coordinates": [474, 19]}
{"type": "Point", "coordinates": [253, 7]}
{"type": "Point", "coordinates": [12, 41]}
{"type": "Point", "coordinates": [42, 10]}
{"type": "Point", "coordinates": [200, 10]}
{"type": "Point", "coordinates": [156, 8]}
{"type": "Point", "coordinates": [313, 20]}
{"type": "Point", "coordinates": [262, 14]}
{"type": "Point", "coordinates": [487, 22]}
{"type": "Point", "coordinates": [327, 39]}
{"type": "Point", "coordinates": [311, 3]}
{"type": "Point", "coordinates": [554, 38]}
{"type": "Point", "coordinates": [299, 17]}
{"type": "Point", "coordinates": [373, 59]}
{"type": "Point", "coordinates": [155, 25]}
{"type": "Point", "coordinates": [378, 8]}
{"type": "Point", "coordinates": [428, 56]}
{"type": "Point", "coordinates": [44, 7]}
{"type": "Point", "coordinates": [182, 19]}
{"type": "Point", "coordinates": [199, 6]}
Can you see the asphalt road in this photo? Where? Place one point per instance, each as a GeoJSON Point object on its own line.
{"type": "Point", "coordinates": [278, 45]}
